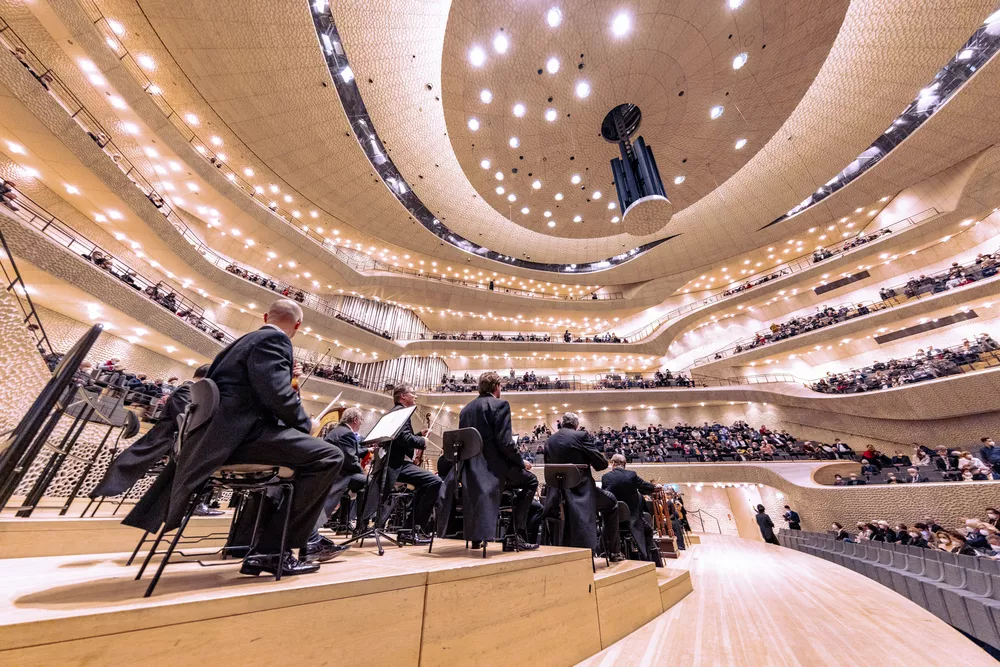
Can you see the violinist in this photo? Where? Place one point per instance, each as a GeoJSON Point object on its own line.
{"type": "Point", "coordinates": [346, 436]}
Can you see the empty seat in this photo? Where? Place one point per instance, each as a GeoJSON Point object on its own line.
{"type": "Point", "coordinates": [953, 589]}
{"type": "Point", "coordinates": [900, 562]}
{"type": "Point", "coordinates": [989, 566]}
{"type": "Point", "coordinates": [884, 567]}
{"type": "Point", "coordinates": [934, 575]}
{"type": "Point", "coordinates": [916, 567]}
{"type": "Point", "coordinates": [968, 562]}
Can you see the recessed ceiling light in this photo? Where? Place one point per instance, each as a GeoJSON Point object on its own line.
{"type": "Point", "coordinates": [966, 54]}
{"type": "Point", "coordinates": [536, 185]}
{"type": "Point", "coordinates": [715, 112]}
{"type": "Point", "coordinates": [621, 24]}
{"type": "Point", "coordinates": [615, 219]}
{"type": "Point", "coordinates": [116, 27]}
{"type": "Point", "coordinates": [582, 89]}
{"type": "Point", "coordinates": [501, 43]}
{"type": "Point", "coordinates": [499, 175]}
{"type": "Point", "coordinates": [525, 210]}
{"type": "Point", "coordinates": [550, 115]}
{"type": "Point", "coordinates": [474, 124]}
{"type": "Point", "coordinates": [547, 214]}
{"type": "Point", "coordinates": [552, 223]}
{"type": "Point", "coordinates": [612, 205]}
{"type": "Point", "coordinates": [735, 4]}
{"type": "Point", "coordinates": [518, 110]}
{"type": "Point", "coordinates": [512, 197]}
{"type": "Point", "coordinates": [559, 196]}
{"type": "Point", "coordinates": [575, 179]}
{"type": "Point", "coordinates": [552, 65]}
{"type": "Point", "coordinates": [485, 164]}
{"type": "Point", "coordinates": [486, 96]}
{"type": "Point", "coordinates": [679, 180]}
{"type": "Point", "coordinates": [146, 62]}
{"type": "Point", "coordinates": [577, 218]}
{"type": "Point", "coordinates": [477, 56]}
{"type": "Point", "coordinates": [514, 142]}
{"type": "Point", "coordinates": [500, 190]}
{"type": "Point", "coordinates": [554, 17]}
{"type": "Point", "coordinates": [597, 195]}
{"type": "Point", "coordinates": [740, 143]}
{"type": "Point", "coordinates": [191, 119]}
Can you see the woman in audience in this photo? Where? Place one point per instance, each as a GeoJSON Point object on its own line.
{"type": "Point", "coordinates": [917, 539]}
{"type": "Point", "coordinates": [903, 534]}
{"type": "Point", "coordinates": [953, 542]}
{"type": "Point", "coordinates": [920, 457]}
{"type": "Point", "coordinates": [840, 533]}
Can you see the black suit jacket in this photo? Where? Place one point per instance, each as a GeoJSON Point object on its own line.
{"type": "Point", "coordinates": [569, 446]}
{"type": "Point", "coordinates": [628, 487]}
{"type": "Point", "coordinates": [342, 436]}
{"type": "Point", "coordinates": [130, 466]}
{"type": "Point", "coordinates": [491, 417]}
{"type": "Point", "coordinates": [254, 376]}
{"type": "Point", "coordinates": [405, 443]}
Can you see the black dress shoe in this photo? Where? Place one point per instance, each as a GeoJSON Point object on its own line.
{"type": "Point", "coordinates": [517, 543]}
{"type": "Point", "coordinates": [477, 544]}
{"type": "Point", "coordinates": [290, 566]}
{"type": "Point", "coordinates": [324, 550]}
{"type": "Point", "coordinates": [204, 510]}
{"type": "Point", "coordinates": [617, 558]}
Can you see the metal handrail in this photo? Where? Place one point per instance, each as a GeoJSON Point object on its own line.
{"type": "Point", "coordinates": [14, 282]}
{"type": "Point", "coordinates": [700, 514]}
{"type": "Point", "coordinates": [873, 307]}
{"type": "Point", "coordinates": [260, 198]}
{"type": "Point", "coordinates": [35, 216]}
{"type": "Point", "coordinates": [796, 265]}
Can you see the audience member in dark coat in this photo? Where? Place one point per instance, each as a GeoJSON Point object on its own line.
{"type": "Point", "coordinates": [628, 487]}
{"type": "Point", "coordinates": [130, 466]}
{"type": "Point", "coordinates": [766, 526]}
{"type": "Point", "coordinates": [485, 477]}
{"type": "Point", "coordinates": [792, 517]}
{"type": "Point", "coordinates": [260, 420]}
{"type": "Point", "coordinates": [584, 502]}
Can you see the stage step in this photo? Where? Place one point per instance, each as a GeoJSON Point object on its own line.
{"type": "Point", "coordinates": [674, 586]}
{"type": "Point", "coordinates": [627, 598]}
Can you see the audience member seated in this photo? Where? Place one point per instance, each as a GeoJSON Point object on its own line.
{"type": "Point", "coordinates": [926, 364]}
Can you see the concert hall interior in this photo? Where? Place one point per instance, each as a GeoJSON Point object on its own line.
{"type": "Point", "coordinates": [636, 332]}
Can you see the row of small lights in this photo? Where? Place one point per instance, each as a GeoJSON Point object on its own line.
{"type": "Point", "coordinates": [147, 63]}
{"type": "Point", "coordinates": [621, 25]}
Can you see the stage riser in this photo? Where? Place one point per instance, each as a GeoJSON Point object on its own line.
{"type": "Point", "coordinates": [32, 538]}
{"type": "Point", "coordinates": [675, 588]}
{"type": "Point", "coordinates": [408, 608]}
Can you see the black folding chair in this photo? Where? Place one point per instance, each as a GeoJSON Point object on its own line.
{"type": "Point", "coordinates": [560, 478]}
{"type": "Point", "coordinates": [459, 446]}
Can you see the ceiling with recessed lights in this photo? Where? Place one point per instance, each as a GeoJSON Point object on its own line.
{"type": "Point", "coordinates": [525, 90]}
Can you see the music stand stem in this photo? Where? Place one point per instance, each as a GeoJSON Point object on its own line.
{"type": "Point", "coordinates": [377, 531]}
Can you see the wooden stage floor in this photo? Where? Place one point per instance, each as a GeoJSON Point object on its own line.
{"type": "Point", "coordinates": [405, 608]}
{"type": "Point", "coordinates": [755, 604]}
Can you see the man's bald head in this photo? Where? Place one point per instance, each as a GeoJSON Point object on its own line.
{"type": "Point", "coordinates": [284, 314]}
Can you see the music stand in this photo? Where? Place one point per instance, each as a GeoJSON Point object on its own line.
{"type": "Point", "coordinates": [385, 430]}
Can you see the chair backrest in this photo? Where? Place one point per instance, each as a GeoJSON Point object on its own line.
{"type": "Point", "coordinates": [624, 513]}
{"type": "Point", "coordinates": [968, 562]}
{"type": "Point", "coordinates": [954, 575]}
{"type": "Point", "coordinates": [977, 583]}
{"type": "Point", "coordinates": [839, 546]}
{"type": "Point", "coordinates": [203, 406]}
{"type": "Point", "coordinates": [988, 565]}
{"type": "Point", "coordinates": [947, 557]}
{"type": "Point", "coordinates": [899, 560]}
{"type": "Point", "coordinates": [562, 475]}
{"type": "Point", "coordinates": [130, 428]}
{"type": "Point", "coordinates": [462, 444]}
{"type": "Point", "coordinates": [885, 556]}
{"type": "Point", "coordinates": [933, 569]}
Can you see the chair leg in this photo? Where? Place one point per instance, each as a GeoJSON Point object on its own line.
{"type": "Point", "coordinates": [152, 550]}
{"type": "Point", "coordinates": [137, 547]}
{"type": "Point", "coordinates": [237, 515]}
{"type": "Point", "coordinates": [289, 497]}
{"type": "Point", "coordinates": [173, 545]}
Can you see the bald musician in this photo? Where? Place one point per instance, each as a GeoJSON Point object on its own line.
{"type": "Point", "coordinates": [260, 420]}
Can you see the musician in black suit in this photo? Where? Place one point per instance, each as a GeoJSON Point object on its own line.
{"type": "Point", "coordinates": [585, 501]}
{"type": "Point", "coordinates": [792, 518]}
{"type": "Point", "coordinates": [402, 469]}
{"type": "Point", "coordinates": [500, 466]}
{"type": "Point", "coordinates": [628, 487]}
{"type": "Point", "coordinates": [129, 466]}
{"type": "Point", "coordinates": [352, 475]}
{"type": "Point", "coordinates": [260, 420]}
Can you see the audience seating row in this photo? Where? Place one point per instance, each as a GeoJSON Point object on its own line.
{"type": "Point", "coordinates": [963, 591]}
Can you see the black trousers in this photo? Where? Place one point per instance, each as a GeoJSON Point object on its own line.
{"type": "Point", "coordinates": [535, 514]}
{"type": "Point", "coordinates": [426, 485]}
{"type": "Point", "coordinates": [354, 482]}
{"type": "Point", "coordinates": [607, 508]}
{"type": "Point", "coordinates": [316, 464]}
{"type": "Point", "coordinates": [524, 484]}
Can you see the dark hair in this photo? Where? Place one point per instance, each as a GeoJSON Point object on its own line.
{"type": "Point", "coordinates": [839, 527]}
{"type": "Point", "coordinates": [787, 507]}
{"type": "Point", "coordinates": [201, 371]}
{"type": "Point", "coordinates": [488, 382]}
{"type": "Point", "coordinates": [399, 390]}
{"type": "Point", "coordinates": [993, 509]}
{"type": "Point", "coordinates": [760, 509]}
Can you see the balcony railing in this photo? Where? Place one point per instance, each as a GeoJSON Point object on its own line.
{"type": "Point", "coordinates": [159, 292]}
{"type": "Point", "coordinates": [897, 295]}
